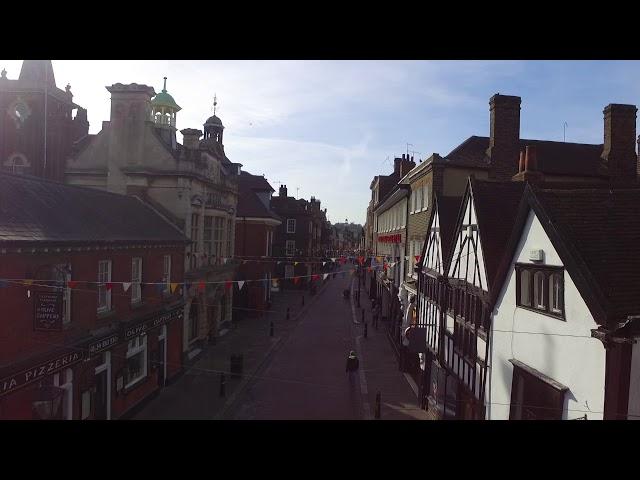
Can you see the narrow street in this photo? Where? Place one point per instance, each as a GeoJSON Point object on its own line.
{"type": "Point", "coordinates": [306, 377]}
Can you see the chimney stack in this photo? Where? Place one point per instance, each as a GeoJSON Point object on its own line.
{"type": "Point", "coordinates": [396, 164]}
{"type": "Point", "coordinates": [528, 167]}
{"type": "Point", "coordinates": [283, 191]}
{"type": "Point", "coordinates": [504, 139]}
{"type": "Point", "coordinates": [191, 138]}
{"type": "Point", "coordinates": [619, 152]}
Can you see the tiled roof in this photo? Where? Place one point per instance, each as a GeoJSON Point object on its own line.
{"type": "Point", "coordinates": [559, 158]}
{"type": "Point", "coordinates": [496, 205]}
{"type": "Point", "coordinates": [36, 210]}
{"type": "Point", "coordinates": [448, 208]}
{"type": "Point", "coordinates": [603, 227]}
{"type": "Point", "coordinates": [249, 204]}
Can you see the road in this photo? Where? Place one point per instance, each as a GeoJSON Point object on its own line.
{"type": "Point", "coordinates": [305, 379]}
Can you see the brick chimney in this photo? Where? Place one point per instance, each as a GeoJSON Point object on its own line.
{"type": "Point", "coordinates": [283, 191]}
{"type": "Point", "coordinates": [504, 138]}
{"type": "Point", "coordinates": [528, 167]}
{"type": "Point", "coordinates": [397, 162]}
{"type": "Point", "coordinates": [619, 151]}
{"type": "Point", "coordinates": [406, 166]}
{"type": "Point", "coordinates": [191, 138]}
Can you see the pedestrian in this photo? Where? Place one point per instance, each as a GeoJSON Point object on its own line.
{"type": "Point", "coordinates": [375, 311]}
{"type": "Point", "coordinates": [352, 366]}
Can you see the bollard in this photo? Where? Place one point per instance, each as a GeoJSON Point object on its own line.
{"type": "Point", "coordinates": [222, 385]}
{"type": "Point", "coordinates": [271, 329]}
{"type": "Point", "coordinates": [303, 300]}
{"type": "Point", "coordinates": [365, 330]}
{"type": "Point", "coordinates": [377, 410]}
{"type": "Point", "coordinates": [362, 314]}
{"type": "Point", "coordinates": [287, 313]}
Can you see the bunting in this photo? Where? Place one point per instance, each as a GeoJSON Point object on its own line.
{"type": "Point", "coordinates": [417, 257]}
{"type": "Point", "coordinates": [201, 286]}
{"type": "Point", "coordinates": [72, 283]}
{"type": "Point", "coordinates": [324, 277]}
{"type": "Point", "coordinates": [228, 284]}
{"type": "Point", "coordinates": [173, 287]}
{"type": "Point", "coordinates": [27, 282]}
{"type": "Point", "coordinates": [296, 280]}
{"type": "Point", "coordinates": [108, 285]}
{"type": "Point", "coordinates": [295, 263]}
{"type": "Point", "coordinates": [240, 284]}
{"type": "Point", "coordinates": [126, 285]}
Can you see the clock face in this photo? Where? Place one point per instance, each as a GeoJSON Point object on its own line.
{"type": "Point", "coordinates": [19, 111]}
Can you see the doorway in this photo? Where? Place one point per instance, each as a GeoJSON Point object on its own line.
{"type": "Point", "coordinates": [102, 410]}
{"type": "Point", "coordinates": [162, 357]}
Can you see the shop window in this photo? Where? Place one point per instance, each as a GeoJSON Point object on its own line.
{"type": "Point", "coordinates": [136, 360]}
{"type": "Point", "coordinates": [533, 396]}
{"type": "Point", "coordinates": [86, 405]}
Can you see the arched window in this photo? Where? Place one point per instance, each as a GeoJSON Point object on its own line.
{"type": "Point", "coordinates": [556, 293]}
{"type": "Point", "coordinates": [538, 291]}
{"type": "Point", "coordinates": [525, 288]}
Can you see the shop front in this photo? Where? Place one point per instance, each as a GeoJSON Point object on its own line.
{"type": "Point", "coordinates": [97, 378]}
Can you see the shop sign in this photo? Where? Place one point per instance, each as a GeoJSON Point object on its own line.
{"type": "Point", "coordinates": [19, 380]}
{"type": "Point", "coordinates": [152, 323]}
{"type": "Point", "coordinates": [47, 311]}
{"type": "Point", "coordinates": [103, 344]}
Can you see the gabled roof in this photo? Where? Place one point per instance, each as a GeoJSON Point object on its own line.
{"type": "Point", "coordinates": [249, 204]}
{"type": "Point", "coordinates": [37, 210]}
{"type": "Point", "coordinates": [599, 229]}
{"type": "Point", "coordinates": [496, 205]}
{"type": "Point", "coordinates": [557, 158]}
{"type": "Point", "coordinates": [448, 209]}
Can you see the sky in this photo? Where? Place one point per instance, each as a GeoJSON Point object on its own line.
{"type": "Point", "coordinates": [326, 128]}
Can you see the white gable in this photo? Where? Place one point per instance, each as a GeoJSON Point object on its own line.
{"type": "Point", "coordinates": [562, 350]}
{"type": "Point", "coordinates": [468, 260]}
{"type": "Point", "coordinates": [433, 249]}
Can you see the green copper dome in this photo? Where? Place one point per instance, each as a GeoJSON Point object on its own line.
{"type": "Point", "coordinates": [163, 99]}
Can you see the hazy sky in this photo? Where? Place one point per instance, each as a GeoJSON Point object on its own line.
{"type": "Point", "coordinates": [327, 127]}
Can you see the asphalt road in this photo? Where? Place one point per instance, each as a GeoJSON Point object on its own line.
{"type": "Point", "coordinates": [305, 379]}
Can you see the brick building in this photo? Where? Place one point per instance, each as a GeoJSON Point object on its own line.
{"type": "Point", "coordinates": [255, 229]}
{"type": "Point", "coordinates": [31, 106]}
{"type": "Point", "coordinates": [84, 336]}
{"type": "Point", "coordinates": [193, 185]}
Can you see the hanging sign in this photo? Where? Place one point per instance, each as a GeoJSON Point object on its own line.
{"type": "Point", "coordinates": [48, 311]}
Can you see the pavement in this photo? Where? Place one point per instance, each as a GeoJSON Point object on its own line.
{"type": "Point", "coordinates": [299, 373]}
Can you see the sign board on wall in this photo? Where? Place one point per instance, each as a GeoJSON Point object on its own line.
{"type": "Point", "coordinates": [47, 311]}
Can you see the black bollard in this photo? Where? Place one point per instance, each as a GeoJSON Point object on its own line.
{"type": "Point", "coordinates": [377, 410]}
{"type": "Point", "coordinates": [303, 300]}
{"type": "Point", "coordinates": [287, 313]}
{"type": "Point", "coordinates": [362, 314]}
{"type": "Point", "coordinates": [271, 329]}
{"type": "Point", "coordinates": [222, 385]}
{"type": "Point", "coordinates": [365, 330]}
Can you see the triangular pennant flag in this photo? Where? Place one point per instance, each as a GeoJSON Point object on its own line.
{"type": "Point", "coordinates": [333, 259]}
{"type": "Point", "coordinates": [369, 269]}
{"type": "Point", "coordinates": [324, 277]}
{"type": "Point", "coordinates": [109, 285]}
{"type": "Point", "coordinates": [126, 285]}
{"type": "Point", "coordinates": [244, 262]}
{"type": "Point", "coordinates": [295, 263]}
{"type": "Point", "coordinates": [323, 263]}
{"type": "Point", "coordinates": [278, 262]}
{"type": "Point", "coordinates": [406, 257]}
{"type": "Point", "coordinates": [201, 286]}
{"type": "Point", "coordinates": [296, 280]}
{"type": "Point", "coordinates": [72, 283]}
{"type": "Point", "coordinates": [417, 257]}
{"type": "Point", "coordinates": [173, 287]}
{"type": "Point", "coordinates": [240, 284]}
{"type": "Point", "coordinates": [27, 282]}
{"type": "Point", "coordinates": [228, 284]}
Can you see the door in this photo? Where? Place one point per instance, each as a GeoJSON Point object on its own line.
{"type": "Point", "coordinates": [162, 360]}
{"type": "Point", "coordinates": [102, 399]}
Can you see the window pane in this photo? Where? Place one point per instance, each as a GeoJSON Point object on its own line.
{"type": "Point", "coordinates": [538, 290]}
{"type": "Point", "coordinates": [555, 292]}
{"type": "Point", "coordinates": [525, 287]}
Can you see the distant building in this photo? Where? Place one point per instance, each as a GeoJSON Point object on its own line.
{"type": "Point", "coordinates": [30, 144]}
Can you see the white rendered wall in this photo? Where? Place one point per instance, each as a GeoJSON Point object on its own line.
{"type": "Point", "coordinates": [634, 383]}
{"type": "Point", "coordinates": [562, 350]}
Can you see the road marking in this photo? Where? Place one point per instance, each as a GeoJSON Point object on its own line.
{"type": "Point", "coordinates": [363, 381]}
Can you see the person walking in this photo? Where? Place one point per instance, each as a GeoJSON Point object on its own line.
{"type": "Point", "coordinates": [352, 366]}
{"type": "Point", "coordinates": [375, 311]}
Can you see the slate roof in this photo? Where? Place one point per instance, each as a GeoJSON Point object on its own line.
{"type": "Point", "coordinates": [448, 208]}
{"type": "Point", "coordinates": [37, 210]}
{"type": "Point", "coordinates": [496, 205]}
{"type": "Point", "coordinates": [601, 227]}
{"type": "Point", "coordinates": [558, 158]}
{"type": "Point", "coordinates": [249, 204]}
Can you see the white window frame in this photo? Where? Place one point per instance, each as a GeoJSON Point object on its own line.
{"type": "Point", "coordinates": [136, 346]}
{"type": "Point", "coordinates": [166, 273]}
{"type": "Point", "coordinates": [291, 221]}
{"type": "Point", "coordinates": [290, 252]}
{"type": "Point", "coordinates": [136, 280]}
{"type": "Point", "coordinates": [555, 297]}
{"type": "Point", "coordinates": [67, 396]}
{"type": "Point", "coordinates": [103, 278]}
{"type": "Point", "coordinates": [426, 198]}
{"type": "Point", "coordinates": [538, 291]}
